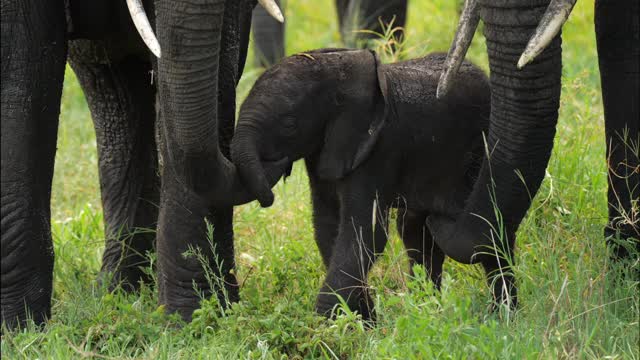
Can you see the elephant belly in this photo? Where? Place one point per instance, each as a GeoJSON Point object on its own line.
{"type": "Point", "coordinates": [421, 198]}
{"type": "Point", "coordinates": [438, 187]}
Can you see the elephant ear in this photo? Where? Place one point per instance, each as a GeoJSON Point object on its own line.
{"type": "Point", "coordinates": [352, 134]}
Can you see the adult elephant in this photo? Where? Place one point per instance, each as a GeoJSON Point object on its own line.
{"type": "Point", "coordinates": [524, 48]}
{"type": "Point", "coordinates": [188, 94]}
{"type": "Point", "coordinates": [353, 15]}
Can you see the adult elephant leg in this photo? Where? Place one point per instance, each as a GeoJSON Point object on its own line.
{"type": "Point", "coordinates": [268, 37]}
{"type": "Point", "coordinates": [618, 39]}
{"type": "Point", "coordinates": [33, 60]}
{"type": "Point", "coordinates": [524, 113]}
{"type": "Point", "coordinates": [355, 15]}
{"type": "Point", "coordinates": [196, 176]}
{"type": "Point", "coordinates": [122, 103]}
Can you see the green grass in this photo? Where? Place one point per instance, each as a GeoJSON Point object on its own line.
{"type": "Point", "coordinates": [574, 303]}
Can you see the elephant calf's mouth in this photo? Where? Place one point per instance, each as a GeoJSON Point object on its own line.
{"type": "Point", "coordinates": [274, 170]}
{"type": "Point", "coordinates": [277, 161]}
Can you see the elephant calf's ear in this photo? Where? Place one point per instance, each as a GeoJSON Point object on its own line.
{"type": "Point", "coordinates": [350, 138]}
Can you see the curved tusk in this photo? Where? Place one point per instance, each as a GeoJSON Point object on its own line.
{"type": "Point", "coordinates": [140, 20]}
{"type": "Point", "coordinates": [550, 25]}
{"type": "Point", "coordinates": [469, 20]}
{"type": "Point", "coordinates": [273, 9]}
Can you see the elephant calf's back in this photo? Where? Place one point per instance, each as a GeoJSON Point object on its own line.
{"type": "Point", "coordinates": [414, 84]}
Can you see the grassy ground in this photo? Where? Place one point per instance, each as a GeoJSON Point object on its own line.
{"type": "Point", "coordinates": [573, 303]}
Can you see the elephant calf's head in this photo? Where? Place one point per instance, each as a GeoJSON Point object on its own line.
{"type": "Point", "coordinates": [329, 102]}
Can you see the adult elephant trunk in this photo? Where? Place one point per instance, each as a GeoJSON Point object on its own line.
{"type": "Point", "coordinates": [190, 35]}
{"type": "Point", "coordinates": [203, 44]}
{"type": "Point", "coordinates": [190, 32]}
{"type": "Point", "coordinates": [194, 173]}
{"type": "Point", "coordinates": [524, 113]}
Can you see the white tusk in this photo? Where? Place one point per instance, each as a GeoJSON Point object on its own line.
{"type": "Point", "coordinates": [550, 25]}
{"type": "Point", "coordinates": [273, 9]}
{"type": "Point", "coordinates": [469, 20]}
{"type": "Point", "coordinates": [141, 22]}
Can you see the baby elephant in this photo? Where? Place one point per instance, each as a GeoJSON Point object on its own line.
{"type": "Point", "coordinates": [373, 136]}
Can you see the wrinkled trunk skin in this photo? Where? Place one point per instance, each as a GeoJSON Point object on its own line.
{"type": "Point", "coordinates": [33, 61]}
{"type": "Point", "coordinates": [268, 35]}
{"type": "Point", "coordinates": [524, 113]}
{"type": "Point", "coordinates": [618, 39]}
{"type": "Point", "coordinates": [234, 44]}
{"type": "Point", "coordinates": [194, 168]}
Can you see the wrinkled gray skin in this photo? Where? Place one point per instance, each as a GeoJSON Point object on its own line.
{"type": "Point", "coordinates": [353, 15]}
{"type": "Point", "coordinates": [522, 125]}
{"type": "Point", "coordinates": [524, 114]}
{"type": "Point", "coordinates": [369, 133]}
{"type": "Point", "coordinates": [193, 85]}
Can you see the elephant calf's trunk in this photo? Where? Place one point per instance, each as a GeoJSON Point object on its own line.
{"type": "Point", "coordinates": [245, 155]}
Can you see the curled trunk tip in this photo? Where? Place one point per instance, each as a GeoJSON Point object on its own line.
{"type": "Point", "coordinates": [258, 176]}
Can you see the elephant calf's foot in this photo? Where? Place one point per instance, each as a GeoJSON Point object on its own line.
{"type": "Point", "coordinates": [357, 300]}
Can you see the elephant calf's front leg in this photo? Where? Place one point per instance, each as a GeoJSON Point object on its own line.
{"type": "Point", "coordinates": [358, 244]}
{"type": "Point", "coordinates": [326, 214]}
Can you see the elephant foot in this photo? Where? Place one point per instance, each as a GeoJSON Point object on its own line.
{"type": "Point", "coordinates": [29, 302]}
{"type": "Point", "coordinates": [123, 267]}
{"type": "Point", "coordinates": [184, 300]}
{"type": "Point", "coordinates": [357, 300]}
{"type": "Point", "coordinates": [16, 317]}
{"type": "Point", "coordinates": [623, 242]}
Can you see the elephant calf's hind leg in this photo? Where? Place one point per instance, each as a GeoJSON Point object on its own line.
{"type": "Point", "coordinates": [421, 248]}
